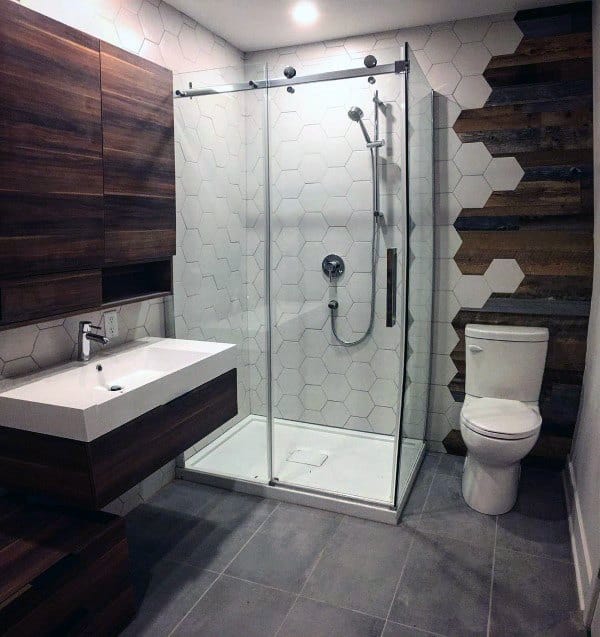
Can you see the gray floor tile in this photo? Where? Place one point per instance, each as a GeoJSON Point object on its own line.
{"type": "Point", "coordinates": [445, 587]}
{"type": "Point", "coordinates": [451, 465]}
{"type": "Point", "coordinates": [447, 513]}
{"type": "Point", "coordinates": [538, 524]}
{"type": "Point", "coordinates": [360, 566]}
{"type": "Point", "coordinates": [233, 608]}
{"type": "Point", "coordinates": [392, 629]}
{"type": "Point", "coordinates": [416, 501]}
{"type": "Point", "coordinates": [309, 618]}
{"type": "Point", "coordinates": [166, 594]}
{"type": "Point", "coordinates": [532, 595]}
{"type": "Point", "coordinates": [283, 553]}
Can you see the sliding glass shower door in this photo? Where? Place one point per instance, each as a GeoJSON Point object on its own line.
{"type": "Point", "coordinates": [337, 276]}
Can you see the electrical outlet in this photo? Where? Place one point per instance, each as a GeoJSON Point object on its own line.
{"type": "Point", "coordinates": [111, 324]}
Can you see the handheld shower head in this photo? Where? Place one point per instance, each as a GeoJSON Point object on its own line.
{"type": "Point", "coordinates": [356, 115]}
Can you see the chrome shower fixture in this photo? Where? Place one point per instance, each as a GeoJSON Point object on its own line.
{"type": "Point", "coordinates": [370, 61]}
{"type": "Point", "coordinates": [356, 115]}
{"type": "Point", "coordinates": [289, 72]}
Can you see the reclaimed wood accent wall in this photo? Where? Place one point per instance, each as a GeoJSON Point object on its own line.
{"type": "Point", "coordinates": [539, 112]}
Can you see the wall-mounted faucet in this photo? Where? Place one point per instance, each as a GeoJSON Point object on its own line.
{"type": "Point", "coordinates": [84, 337]}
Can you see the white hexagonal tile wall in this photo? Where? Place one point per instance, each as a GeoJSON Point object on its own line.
{"type": "Point", "coordinates": [472, 159]}
{"type": "Point", "coordinates": [472, 92]}
{"type": "Point", "coordinates": [472, 191]}
{"type": "Point", "coordinates": [472, 291]}
{"type": "Point", "coordinates": [442, 46]}
{"type": "Point", "coordinates": [472, 59]}
{"type": "Point", "coordinates": [503, 37]}
{"type": "Point", "coordinates": [504, 275]}
{"type": "Point", "coordinates": [504, 173]}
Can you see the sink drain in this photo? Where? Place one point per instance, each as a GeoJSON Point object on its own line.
{"type": "Point", "coordinates": [116, 388]}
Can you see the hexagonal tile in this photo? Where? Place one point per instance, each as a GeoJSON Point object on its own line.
{"type": "Point", "coordinates": [289, 183]}
{"type": "Point", "coordinates": [289, 155]}
{"type": "Point", "coordinates": [313, 285]}
{"type": "Point", "coordinates": [503, 37]}
{"type": "Point", "coordinates": [443, 369]}
{"type": "Point", "coordinates": [335, 414]}
{"type": "Point", "coordinates": [336, 152]}
{"type": "Point", "coordinates": [151, 23]}
{"type": "Point", "coordinates": [472, 91]}
{"type": "Point", "coordinates": [471, 29]}
{"type": "Point", "coordinates": [290, 241]}
{"type": "Point", "coordinates": [313, 343]}
{"type": "Point", "coordinates": [290, 381]}
{"type": "Point", "coordinates": [359, 403]}
{"type": "Point", "coordinates": [360, 195]}
{"type": "Point", "coordinates": [337, 211]}
{"type": "Point", "coordinates": [472, 291]}
{"type": "Point", "coordinates": [447, 176]}
{"type": "Point", "coordinates": [313, 371]}
{"type": "Point", "coordinates": [447, 143]}
{"type": "Point", "coordinates": [312, 168]}
{"type": "Point", "coordinates": [472, 192]}
{"type": "Point", "coordinates": [472, 58]}
{"type": "Point", "coordinates": [337, 240]}
{"type": "Point", "coordinates": [442, 46]}
{"type": "Point", "coordinates": [129, 30]}
{"type": "Point", "coordinates": [359, 287]}
{"type": "Point", "coordinates": [313, 397]}
{"type": "Point", "coordinates": [445, 338]}
{"type": "Point", "coordinates": [358, 316]}
{"type": "Point", "coordinates": [336, 122]}
{"type": "Point", "coordinates": [447, 208]}
{"type": "Point", "coordinates": [336, 181]}
{"type": "Point", "coordinates": [386, 364]}
{"type": "Point", "coordinates": [504, 173]}
{"type": "Point", "coordinates": [383, 420]}
{"type": "Point", "coordinates": [384, 393]}
{"type": "Point", "coordinates": [172, 19]}
{"type": "Point", "coordinates": [472, 159]}
{"type": "Point", "coordinates": [290, 407]}
{"type": "Point", "coordinates": [313, 227]}
{"type": "Point", "coordinates": [53, 345]}
{"type": "Point", "coordinates": [290, 354]}
{"type": "Point", "coordinates": [17, 343]}
{"type": "Point", "coordinates": [290, 270]}
{"type": "Point", "coordinates": [313, 197]}
{"type": "Point", "coordinates": [443, 78]}
{"type": "Point", "coordinates": [504, 275]}
{"type": "Point", "coordinates": [447, 242]}
{"type": "Point", "coordinates": [361, 376]}
{"type": "Point", "coordinates": [289, 212]}
{"type": "Point", "coordinates": [336, 359]}
{"type": "Point", "coordinates": [288, 126]}
{"type": "Point", "coordinates": [336, 387]}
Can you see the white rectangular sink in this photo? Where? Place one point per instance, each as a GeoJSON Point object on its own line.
{"type": "Point", "coordinates": [85, 401]}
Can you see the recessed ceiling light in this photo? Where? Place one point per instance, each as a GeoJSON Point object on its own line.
{"type": "Point", "coordinates": [305, 13]}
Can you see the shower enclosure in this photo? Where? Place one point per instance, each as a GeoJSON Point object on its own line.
{"type": "Point", "coordinates": [306, 238]}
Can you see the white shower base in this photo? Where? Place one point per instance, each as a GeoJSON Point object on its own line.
{"type": "Point", "coordinates": [358, 465]}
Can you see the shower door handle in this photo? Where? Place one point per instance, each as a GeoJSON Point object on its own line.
{"type": "Point", "coordinates": [392, 284]}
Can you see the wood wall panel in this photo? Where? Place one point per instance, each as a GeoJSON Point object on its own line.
{"type": "Point", "coordinates": [540, 112]}
{"type": "Point", "coordinates": [139, 157]}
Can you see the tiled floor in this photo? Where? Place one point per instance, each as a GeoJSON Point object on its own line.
{"type": "Point", "coordinates": [213, 563]}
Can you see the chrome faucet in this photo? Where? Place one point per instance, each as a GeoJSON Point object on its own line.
{"type": "Point", "coordinates": [84, 337]}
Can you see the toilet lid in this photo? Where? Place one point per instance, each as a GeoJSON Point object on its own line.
{"type": "Point", "coordinates": [499, 418]}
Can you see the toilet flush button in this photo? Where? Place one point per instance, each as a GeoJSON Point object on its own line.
{"type": "Point", "coordinates": [475, 349]}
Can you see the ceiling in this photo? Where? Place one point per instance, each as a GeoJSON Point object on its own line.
{"type": "Point", "coordinates": [252, 25]}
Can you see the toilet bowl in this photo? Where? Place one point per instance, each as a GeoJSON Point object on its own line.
{"type": "Point", "coordinates": [500, 420]}
{"type": "Point", "coordinates": [498, 434]}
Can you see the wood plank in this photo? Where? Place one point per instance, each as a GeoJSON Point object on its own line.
{"type": "Point", "coordinates": [545, 50]}
{"type": "Point", "coordinates": [532, 93]}
{"type": "Point", "coordinates": [50, 233]}
{"type": "Point", "coordinates": [556, 19]}
{"type": "Point", "coordinates": [138, 228]}
{"type": "Point", "coordinates": [49, 145]}
{"type": "Point", "coordinates": [539, 72]}
{"type": "Point", "coordinates": [49, 295]}
{"type": "Point", "coordinates": [138, 130]}
{"type": "Point", "coordinates": [92, 474]}
{"type": "Point", "coordinates": [554, 253]}
{"type": "Point", "coordinates": [118, 462]}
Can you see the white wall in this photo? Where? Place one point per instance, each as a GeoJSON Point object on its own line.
{"type": "Point", "coordinates": [585, 455]}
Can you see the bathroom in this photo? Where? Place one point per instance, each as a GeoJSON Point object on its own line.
{"type": "Point", "coordinates": [331, 263]}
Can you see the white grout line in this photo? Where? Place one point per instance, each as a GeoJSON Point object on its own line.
{"type": "Point", "coordinates": [223, 571]}
{"type": "Point", "coordinates": [489, 621]}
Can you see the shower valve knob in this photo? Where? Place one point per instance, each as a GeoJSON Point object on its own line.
{"type": "Point", "coordinates": [333, 305]}
{"type": "Point", "coordinates": [333, 266]}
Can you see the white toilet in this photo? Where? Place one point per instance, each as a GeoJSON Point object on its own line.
{"type": "Point", "coordinates": [500, 420]}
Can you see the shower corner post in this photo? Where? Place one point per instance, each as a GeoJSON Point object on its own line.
{"type": "Point", "coordinates": [268, 264]}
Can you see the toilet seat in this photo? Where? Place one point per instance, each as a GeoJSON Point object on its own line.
{"type": "Point", "coordinates": [501, 418]}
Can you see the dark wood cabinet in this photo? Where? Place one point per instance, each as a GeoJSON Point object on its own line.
{"type": "Point", "coordinates": [87, 169]}
{"type": "Point", "coordinates": [64, 572]}
{"type": "Point", "coordinates": [139, 157]}
{"type": "Point", "coordinates": [92, 474]}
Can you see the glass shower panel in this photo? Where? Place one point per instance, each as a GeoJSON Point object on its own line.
{"type": "Point", "coordinates": [219, 291]}
{"type": "Point", "coordinates": [336, 406]}
{"type": "Point", "coordinates": [419, 125]}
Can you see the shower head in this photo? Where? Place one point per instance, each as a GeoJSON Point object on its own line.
{"type": "Point", "coordinates": [356, 115]}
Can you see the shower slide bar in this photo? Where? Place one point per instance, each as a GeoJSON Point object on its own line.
{"type": "Point", "coordinates": [399, 66]}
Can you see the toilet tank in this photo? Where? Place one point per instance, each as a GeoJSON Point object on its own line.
{"type": "Point", "coordinates": [505, 361]}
